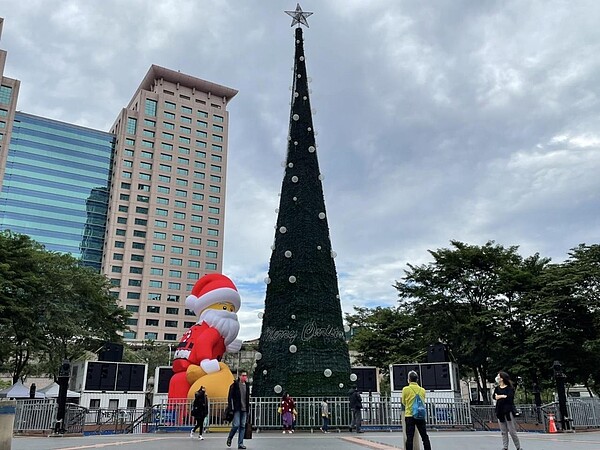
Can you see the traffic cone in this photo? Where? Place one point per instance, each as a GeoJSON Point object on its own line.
{"type": "Point", "coordinates": [551, 424]}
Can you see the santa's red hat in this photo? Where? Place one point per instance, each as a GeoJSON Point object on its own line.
{"type": "Point", "coordinates": [210, 289]}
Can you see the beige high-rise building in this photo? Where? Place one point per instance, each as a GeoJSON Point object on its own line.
{"type": "Point", "coordinates": [167, 199]}
{"type": "Point", "coordinates": [9, 91]}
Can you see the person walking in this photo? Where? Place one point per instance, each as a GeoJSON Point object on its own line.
{"type": "Point", "coordinates": [199, 412]}
{"type": "Point", "coordinates": [325, 415]}
{"type": "Point", "coordinates": [238, 400]}
{"type": "Point", "coordinates": [356, 408]}
{"type": "Point", "coordinates": [504, 394]}
{"type": "Point", "coordinates": [287, 407]}
{"type": "Point", "coordinates": [409, 396]}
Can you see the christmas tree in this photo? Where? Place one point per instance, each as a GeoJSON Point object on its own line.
{"type": "Point", "coordinates": [302, 347]}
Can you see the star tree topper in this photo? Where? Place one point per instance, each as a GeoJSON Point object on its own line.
{"type": "Point", "coordinates": [298, 16]}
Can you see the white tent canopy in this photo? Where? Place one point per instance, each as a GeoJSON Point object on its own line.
{"type": "Point", "coordinates": [19, 390]}
{"type": "Point", "coordinates": [51, 391]}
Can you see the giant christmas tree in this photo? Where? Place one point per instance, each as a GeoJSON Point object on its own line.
{"type": "Point", "coordinates": [302, 348]}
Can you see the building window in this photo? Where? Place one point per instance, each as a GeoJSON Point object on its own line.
{"type": "Point", "coordinates": [145, 176]}
{"type": "Point", "coordinates": [146, 165]}
{"type": "Point", "coordinates": [213, 232]}
{"type": "Point", "coordinates": [186, 109]}
{"type": "Point", "coordinates": [195, 241]}
{"type": "Point", "coordinates": [155, 271]}
{"type": "Point", "coordinates": [213, 188]}
{"type": "Point", "coordinates": [170, 337]}
{"type": "Point", "coordinates": [210, 266]}
{"type": "Point", "coordinates": [165, 167]}
{"type": "Point", "coordinates": [159, 247]}
{"type": "Point", "coordinates": [176, 249]}
{"type": "Point", "coordinates": [197, 207]}
{"type": "Point", "coordinates": [213, 199]}
{"type": "Point", "coordinates": [216, 148]}
{"type": "Point", "coordinates": [149, 123]}
{"type": "Point", "coordinates": [142, 222]}
{"type": "Point", "coordinates": [136, 270]}
{"type": "Point", "coordinates": [146, 154]}
{"type": "Point", "coordinates": [148, 336]}
{"type": "Point", "coordinates": [162, 200]}
{"type": "Point", "coordinates": [180, 193]}
{"type": "Point", "coordinates": [162, 212]}
{"type": "Point", "coordinates": [160, 235]}
{"type": "Point", "coordinates": [144, 187]}
{"type": "Point", "coordinates": [155, 284]}
{"type": "Point", "coordinates": [135, 283]}
{"type": "Point", "coordinates": [217, 138]}
{"type": "Point", "coordinates": [176, 261]}
{"type": "Point", "coordinates": [168, 126]}
{"type": "Point", "coordinates": [202, 113]}
{"type": "Point", "coordinates": [168, 136]}
{"type": "Point", "coordinates": [124, 197]}
{"type": "Point", "coordinates": [171, 323]}
{"type": "Point", "coordinates": [179, 226]}
{"type": "Point", "coordinates": [213, 221]}
{"type": "Point", "coordinates": [169, 115]}
{"type": "Point", "coordinates": [116, 269]}
{"type": "Point", "coordinates": [180, 204]}
{"type": "Point", "coordinates": [129, 141]}
{"type": "Point", "coordinates": [154, 296]}
{"type": "Point", "coordinates": [122, 220]}
{"type": "Point", "coordinates": [148, 133]}
{"type": "Point", "coordinates": [193, 276]}
{"type": "Point", "coordinates": [201, 144]}
{"type": "Point", "coordinates": [195, 229]}
{"type": "Point", "coordinates": [126, 174]}
{"type": "Point", "coordinates": [177, 238]}
{"type": "Point", "coordinates": [173, 286]}
{"type": "Point", "coordinates": [195, 264]}
{"type": "Point", "coordinates": [150, 107]}
{"type": "Point", "coordinates": [214, 210]}
{"type": "Point", "coordinates": [138, 233]}
{"type": "Point", "coordinates": [138, 246]}
{"type": "Point", "coordinates": [179, 215]}
{"type": "Point", "coordinates": [118, 256]}
{"type": "Point", "coordinates": [131, 126]}
{"type": "Point", "coordinates": [180, 181]}
{"type": "Point", "coordinates": [183, 150]}
{"type": "Point", "coordinates": [151, 322]}
{"type": "Point", "coordinates": [217, 128]}
{"type": "Point", "coordinates": [217, 118]}
{"type": "Point", "coordinates": [202, 123]}
{"type": "Point", "coordinates": [185, 119]}
{"type": "Point", "coordinates": [211, 243]}
{"type": "Point", "coordinates": [163, 189]}
{"type": "Point", "coordinates": [174, 311]}
{"type": "Point", "coordinates": [141, 210]}
{"type": "Point", "coordinates": [175, 273]}
{"type": "Point", "coordinates": [194, 251]}
{"type": "Point", "coordinates": [173, 298]}
{"type": "Point", "coordinates": [170, 105]}
{"type": "Point", "coordinates": [147, 144]}
{"type": "Point", "coordinates": [211, 254]}
{"type": "Point", "coordinates": [158, 259]}
{"type": "Point", "coordinates": [137, 258]}
{"type": "Point", "coordinates": [185, 130]}
{"type": "Point", "coordinates": [201, 134]}
{"type": "Point", "coordinates": [160, 224]}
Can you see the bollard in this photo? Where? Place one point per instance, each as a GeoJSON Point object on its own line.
{"type": "Point", "coordinates": [7, 420]}
{"type": "Point", "coordinates": [416, 440]}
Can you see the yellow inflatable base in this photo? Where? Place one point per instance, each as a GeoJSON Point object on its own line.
{"type": "Point", "coordinates": [216, 384]}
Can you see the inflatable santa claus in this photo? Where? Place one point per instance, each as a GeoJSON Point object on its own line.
{"type": "Point", "coordinates": [197, 360]}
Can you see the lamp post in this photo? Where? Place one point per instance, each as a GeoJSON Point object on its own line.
{"type": "Point", "coordinates": [64, 372]}
{"type": "Point", "coordinates": [560, 378]}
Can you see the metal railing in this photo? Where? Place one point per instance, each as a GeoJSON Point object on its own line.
{"type": "Point", "coordinates": [380, 413]}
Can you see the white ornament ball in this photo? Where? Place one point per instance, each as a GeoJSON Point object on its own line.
{"type": "Point", "coordinates": [277, 389]}
{"type": "Point", "coordinates": [295, 198]}
{"type": "Point", "coordinates": [288, 254]}
{"type": "Point", "coordinates": [277, 210]}
{"type": "Point", "coordinates": [296, 94]}
{"type": "Point", "coordinates": [265, 372]}
{"type": "Point", "coordinates": [311, 149]}
{"type": "Point", "coordinates": [292, 279]}
{"type": "Point", "coordinates": [258, 356]}
{"type": "Point", "coordinates": [273, 246]}
{"type": "Point", "coordinates": [341, 385]}
{"type": "Point", "coordinates": [261, 315]}
{"type": "Point", "coordinates": [309, 129]}
{"type": "Point", "coordinates": [293, 349]}
{"type": "Point", "coordinates": [304, 98]}
{"type": "Point", "coordinates": [321, 177]}
{"type": "Point", "coordinates": [321, 215]}
{"type": "Point", "coordinates": [267, 280]}
{"type": "Point", "coordinates": [301, 58]}
{"type": "Point", "coordinates": [346, 328]}
{"type": "Point", "coordinates": [295, 142]}
{"type": "Point", "coordinates": [282, 163]}
{"type": "Point", "coordinates": [353, 377]}
{"type": "Point", "coordinates": [327, 372]}
{"type": "Point", "coordinates": [295, 117]}
{"type": "Point", "coordinates": [290, 165]}
{"type": "Point", "coordinates": [299, 76]}
{"type": "Point", "coordinates": [294, 179]}
{"type": "Point", "coordinates": [318, 247]}
{"type": "Point", "coordinates": [282, 230]}
{"type": "Point", "coordinates": [337, 296]}
{"type": "Point", "coordinates": [293, 316]}
{"type": "Point", "coordinates": [333, 254]}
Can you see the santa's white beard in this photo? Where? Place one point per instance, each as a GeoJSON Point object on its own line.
{"type": "Point", "coordinates": [224, 321]}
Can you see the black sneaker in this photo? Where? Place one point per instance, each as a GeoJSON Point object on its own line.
{"type": "Point", "coordinates": [242, 446]}
{"type": "Point", "coordinates": [228, 442]}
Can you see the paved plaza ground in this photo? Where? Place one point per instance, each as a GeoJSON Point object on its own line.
{"type": "Point", "coordinates": [441, 440]}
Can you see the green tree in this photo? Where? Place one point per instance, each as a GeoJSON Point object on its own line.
{"type": "Point", "coordinates": [465, 298]}
{"type": "Point", "coordinates": [51, 308]}
{"type": "Point", "coordinates": [384, 336]}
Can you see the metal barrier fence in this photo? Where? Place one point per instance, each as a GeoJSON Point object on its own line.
{"type": "Point", "coordinates": [380, 413]}
{"type": "Point", "coordinates": [35, 416]}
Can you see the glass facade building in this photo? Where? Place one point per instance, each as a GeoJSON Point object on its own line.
{"type": "Point", "coordinates": [55, 186]}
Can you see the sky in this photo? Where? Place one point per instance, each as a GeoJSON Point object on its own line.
{"type": "Point", "coordinates": [437, 121]}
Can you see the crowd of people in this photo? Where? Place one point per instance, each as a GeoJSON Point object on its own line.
{"type": "Point", "coordinates": [413, 402]}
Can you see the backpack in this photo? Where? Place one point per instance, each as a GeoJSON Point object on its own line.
{"type": "Point", "coordinates": [418, 408]}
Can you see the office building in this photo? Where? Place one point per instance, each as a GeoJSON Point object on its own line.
{"type": "Point", "coordinates": [143, 203]}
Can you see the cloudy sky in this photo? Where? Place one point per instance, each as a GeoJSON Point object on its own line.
{"type": "Point", "coordinates": [438, 120]}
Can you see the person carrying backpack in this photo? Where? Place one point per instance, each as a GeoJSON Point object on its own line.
{"type": "Point", "coordinates": [413, 399]}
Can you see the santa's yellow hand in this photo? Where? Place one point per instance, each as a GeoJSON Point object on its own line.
{"type": "Point", "coordinates": [194, 373]}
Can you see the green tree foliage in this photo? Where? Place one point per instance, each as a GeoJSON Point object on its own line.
{"type": "Point", "coordinates": [384, 336]}
{"type": "Point", "coordinates": [150, 353]}
{"type": "Point", "coordinates": [51, 308]}
{"type": "Point", "coordinates": [497, 311]}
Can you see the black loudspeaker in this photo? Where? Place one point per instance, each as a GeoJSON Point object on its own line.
{"type": "Point", "coordinates": [366, 378]}
{"type": "Point", "coordinates": [164, 378]}
{"type": "Point", "coordinates": [400, 372]}
{"type": "Point", "coordinates": [92, 377]}
{"type": "Point", "coordinates": [442, 376]}
{"type": "Point", "coordinates": [111, 352]}
{"type": "Point", "coordinates": [428, 381]}
{"type": "Point", "coordinates": [437, 353]}
{"type": "Point", "coordinates": [123, 377]}
{"type": "Point", "coordinates": [136, 382]}
{"type": "Point", "coordinates": [108, 376]}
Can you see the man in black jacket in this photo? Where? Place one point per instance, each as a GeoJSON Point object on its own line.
{"type": "Point", "coordinates": [238, 401]}
{"type": "Point", "coordinates": [356, 408]}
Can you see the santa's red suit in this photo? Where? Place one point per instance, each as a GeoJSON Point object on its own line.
{"type": "Point", "coordinates": [199, 343]}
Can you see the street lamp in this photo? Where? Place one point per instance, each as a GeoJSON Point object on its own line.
{"type": "Point", "coordinates": [560, 378]}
